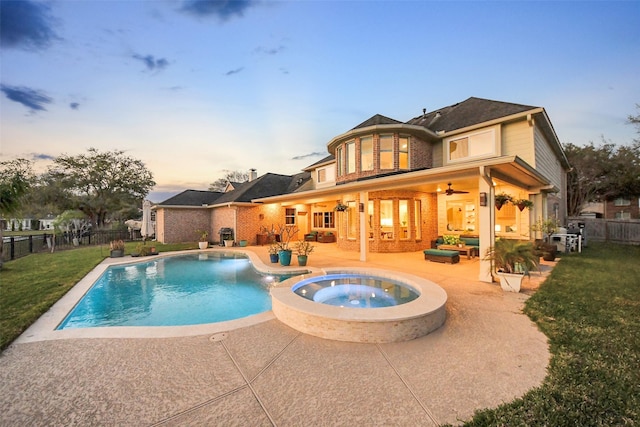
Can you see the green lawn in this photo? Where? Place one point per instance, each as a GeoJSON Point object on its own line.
{"type": "Point", "coordinates": [29, 286]}
{"type": "Point", "coordinates": [589, 308]}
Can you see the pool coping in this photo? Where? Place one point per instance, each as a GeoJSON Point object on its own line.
{"type": "Point", "coordinates": [44, 328]}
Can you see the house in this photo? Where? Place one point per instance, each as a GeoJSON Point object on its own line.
{"type": "Point", "coordinates": [403, 184]}
{"type": "Point", "coordinates": [622, 208]}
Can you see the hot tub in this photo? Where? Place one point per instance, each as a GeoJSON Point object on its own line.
{"type": "Point", "coordinates": [360, 305]}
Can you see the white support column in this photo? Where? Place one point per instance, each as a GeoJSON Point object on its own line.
{"type": "Point", "coordinates": [364, 235]}
{"type": "Point", "coordinates": [486, 224]}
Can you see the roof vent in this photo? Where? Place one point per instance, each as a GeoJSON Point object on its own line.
{"type": "Point", "coordinates": [299, 181]}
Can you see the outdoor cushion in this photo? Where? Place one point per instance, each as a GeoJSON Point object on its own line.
{"type": "Point", "coordinates": [441, 255]}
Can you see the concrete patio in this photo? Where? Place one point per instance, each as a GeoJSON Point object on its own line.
{"type": "Point", "coordinates": [267, 374]}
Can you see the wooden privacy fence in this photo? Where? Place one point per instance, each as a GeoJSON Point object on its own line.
{"type": "Point", "coordinates": [610, 230]}
{"type": "Point", "coordinates": [18, 246]}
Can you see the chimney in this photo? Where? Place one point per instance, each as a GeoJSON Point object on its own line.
{"type": "Point", "coordinates": [253, 174]}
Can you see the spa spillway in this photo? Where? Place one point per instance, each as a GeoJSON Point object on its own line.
{"type": "Point", "coordinates": [358, 305]}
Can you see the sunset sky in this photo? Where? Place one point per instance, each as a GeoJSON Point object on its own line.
{"type": "Point", "coordinates": [194, 88]}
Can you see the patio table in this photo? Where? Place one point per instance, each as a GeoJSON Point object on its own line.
{"type": "Point", "coordinates": [469, 250]}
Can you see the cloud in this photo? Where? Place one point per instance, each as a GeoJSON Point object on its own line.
{"type": "Point", "coordinates": [314, 154]}
{"type": "Point", "coordinates": [232, 72]}
{"type": "Point", "coordinates": [151, 62]}
{"type": "Point", "coordinates": [41, 156]}
{"type": "Point", "coordinates": [26, 25]}
{"type": "Point", "coordinates": [74, 105]}
{"type": "Point", "coordinates": [33, 99]}
{"type": "Point", "coordinates": [223, 9]}
{"type": "Point", "coordinates": [268, 50]}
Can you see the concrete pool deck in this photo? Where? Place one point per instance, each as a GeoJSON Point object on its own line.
{"type": "Point", "coordinates": [267, 374]}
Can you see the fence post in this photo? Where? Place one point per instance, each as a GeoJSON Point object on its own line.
{"type": "Point", "coordinates": [12, 244]}
{"type": "Point", "coordinates": [30, 243]}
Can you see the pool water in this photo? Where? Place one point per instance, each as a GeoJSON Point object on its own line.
{"type": "Point", "coordinates": [173, 291]}
{"type": "Point", "coordinates": [355, 290]}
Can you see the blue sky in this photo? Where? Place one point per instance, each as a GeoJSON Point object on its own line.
{"type": "Point", "coordinates": [194, 88]}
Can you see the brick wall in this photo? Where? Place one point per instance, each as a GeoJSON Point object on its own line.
{"type": "Point", "coordinates": [177, 225]}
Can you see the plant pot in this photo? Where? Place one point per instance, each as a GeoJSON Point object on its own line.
{"type": "Point", "coordinates": [117, 253]}
{"type": "Point", "coordinates": [302, 260]}
{"type": "Point", "coordinates": [285, 257]}
{"type": "Point", "coordinates": [242, 243]}
{"type": "Point", "coordinates": [203, 245]}
{"type": "Point", "coordinates": [228, 243]}
{"type": "Point", "coordinates": [510, 282]}
{"type": "Point", "coordinates": [274, 258]}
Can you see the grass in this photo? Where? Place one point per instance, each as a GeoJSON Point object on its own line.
{"type": "Point", "coordinates": [29, 286]}
{"type": "Point", "coordinates": [589, 308]}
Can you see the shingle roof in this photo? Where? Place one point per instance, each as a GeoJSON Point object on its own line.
{"type": "Point", "coordinates": [467, 113]}
{"type": "Point", "coordinates": [192, 198]}
{"type": "Point", "coordinates": [269, 184]}
{"type": "Point", "coordinates": [378, 119]}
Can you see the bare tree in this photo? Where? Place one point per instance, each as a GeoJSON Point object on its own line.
{"type": "Point", "coordinates": [230, 176]}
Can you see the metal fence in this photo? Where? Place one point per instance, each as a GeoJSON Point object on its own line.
{"type": "Point", "coordinates": [610, 230]}
{"type": "Point", "coordinates": [15, 247]}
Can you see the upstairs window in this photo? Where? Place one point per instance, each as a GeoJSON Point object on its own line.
{"type": "Point", "coordinates": [403, 152]}
{"type": "Point", "coordinates": [339, 161]}
{"type": "Point", "coordinates": [366, 153]}
{"type": "Point", "coordinates": [476, 145]}
{"type": "Point", "coordinates": [351, 157]}
{"type": "Point", "coordinates": [386, 151]}
{"type": "Point", "coordinates": [322, 175]}
{"type": "Point", "coordinates": [621, 201]}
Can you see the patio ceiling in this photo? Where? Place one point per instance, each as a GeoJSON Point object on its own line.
{"type": "Point", "coordinates": [510, 169]}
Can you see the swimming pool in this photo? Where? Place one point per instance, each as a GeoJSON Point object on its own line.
{"type": "Point", "coordinates": [179, 290]}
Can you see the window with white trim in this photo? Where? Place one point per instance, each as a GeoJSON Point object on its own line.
{"type": "Point", "coordinates": [351, 157]}
{"type": "Point", "coordinates": [290, 216]}
{"type": "Point", "coordinates": [475, 145]}
{"type": "Point", "coordinates": [386, 151]}
{"type": "Point", "coordinates": [403, 152]}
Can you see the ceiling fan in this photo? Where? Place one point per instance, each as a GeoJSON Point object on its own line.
{"type": "Point", "coordinates": [449, 191]}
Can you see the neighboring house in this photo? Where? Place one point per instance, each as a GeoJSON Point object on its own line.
{"type": "Point", "coordinates": [392, 177]}
{"type": "Point", "coordinates": [622, 208]}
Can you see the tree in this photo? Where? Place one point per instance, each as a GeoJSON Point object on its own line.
{"type": "Point", "coordinates": [602, 172]}
{"type": "Point", "coordinates": [101, 183]}
{"type": "Point", "coordinates": [230, 176]}
{"type": "Point", "coordinates": [15, 180]}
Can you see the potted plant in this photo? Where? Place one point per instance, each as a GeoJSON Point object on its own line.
{"type": "Point", "coordinates": [502, 199]}
{"type": "Point", "coordinates": [512, 260]}
{"type": "Point", "coordinates": [303, 249]}
{"type": "Point", "coordinates": [203, 243]}
{"type": "Point", "coordinates": [274, 248]}
{"type": "Point", "coordinates": [547, 227]}
{"type": "Point", "coordinates": [523, 203]}
{"type": "Point", "coordinates": [117, 248]}
{"type": "Point", "coordinates": [286, 233]}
